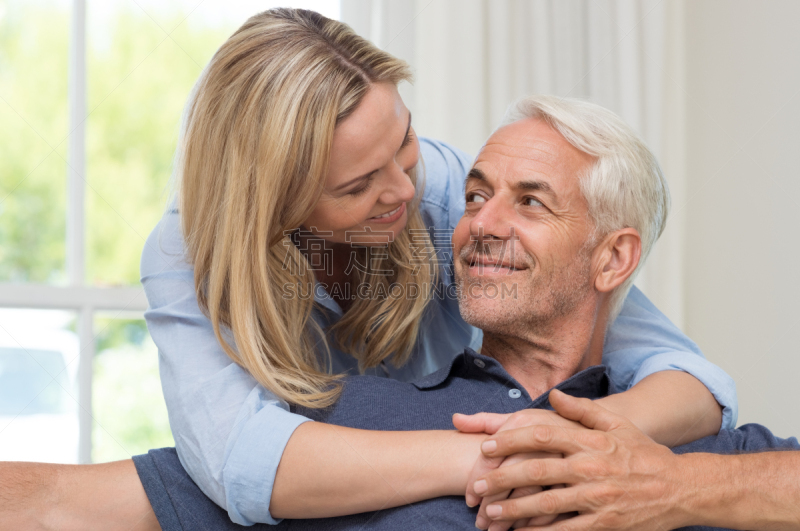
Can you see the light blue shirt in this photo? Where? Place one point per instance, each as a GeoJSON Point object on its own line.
{"type": "Point", "coordinates": [230, 431]}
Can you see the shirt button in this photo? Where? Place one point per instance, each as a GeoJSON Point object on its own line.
{"type": "Point", "coordinates": [514, 393]}
{"type": "Point", "coordinates": [479, 363]}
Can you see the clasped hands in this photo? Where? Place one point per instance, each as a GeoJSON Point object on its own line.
{"type": "Point", "coordinates": [578, 468]}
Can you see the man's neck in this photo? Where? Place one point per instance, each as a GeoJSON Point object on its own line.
{"type": "Point", "coordinates": [542, 356]}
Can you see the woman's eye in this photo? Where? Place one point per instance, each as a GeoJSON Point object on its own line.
{"type": "Point", "coordinates": [475, 198]}
{"type": "Point", "coordinates": [408, 139]}
{"type": "Point", "coordinates": [363, 188]}
{"type": "Point", "coordinates": [532, 201]}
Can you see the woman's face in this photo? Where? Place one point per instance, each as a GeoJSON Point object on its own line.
{"type": "Point", "coordinates": [367, 187]}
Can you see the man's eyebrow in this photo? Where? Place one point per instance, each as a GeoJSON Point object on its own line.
{"type": "Point", "coordinates": [533, 186]}
{"type": "Point", "coordinates": [362, 177]}
{"type": "Point", "coordinates": [477, 174]}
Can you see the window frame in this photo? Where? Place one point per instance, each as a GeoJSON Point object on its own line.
{"type": "Point", "coordinates": [76, 295]}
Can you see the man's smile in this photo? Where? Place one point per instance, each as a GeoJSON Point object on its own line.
{"type": "Point", "coordinates": [484, 265]}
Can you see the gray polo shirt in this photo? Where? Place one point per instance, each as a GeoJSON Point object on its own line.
{"type": "Point", "coordinates": [470, 384]}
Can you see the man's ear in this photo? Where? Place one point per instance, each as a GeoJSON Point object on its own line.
{"type": "Point", "coordinates": [617, 257]}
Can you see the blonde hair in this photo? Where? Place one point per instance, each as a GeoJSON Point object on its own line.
{"type": "Point", "coordinates": [624, 188]}
{"type": "Point", "coordinates": [252, 162]}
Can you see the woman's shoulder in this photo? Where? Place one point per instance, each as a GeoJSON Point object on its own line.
{"type": "Point", "coordinates": [443, 157]}
{"type": "Point", "coordinates": [444, 169]}
{"type": "Point", "coordinates": [164, 249]}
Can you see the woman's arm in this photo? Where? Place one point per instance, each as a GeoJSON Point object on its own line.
{"type": "Point", "coordinates": [672, 407]}
{"type": "Point", "coordinates": [671, 388]}
{"type": "Point", "coordinates": [356, 471]}
{"type": "Point", "coordinates": [229, 432]}
{"type": "Point", "coordinates": [242, 446]}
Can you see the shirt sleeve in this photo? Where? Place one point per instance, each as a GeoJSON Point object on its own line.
{"type": "Point", "coordinates": [642, 341]}
{"type": "Point", "coordinates": [230, 432]}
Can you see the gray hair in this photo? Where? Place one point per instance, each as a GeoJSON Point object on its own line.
{"type": "Point", "coordinates": [624, 188]}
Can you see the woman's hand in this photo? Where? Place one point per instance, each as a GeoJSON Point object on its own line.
{"type": "Point", "coordinates": [492, 423]}
{"type": "Point", "coordinates": [483, 522]}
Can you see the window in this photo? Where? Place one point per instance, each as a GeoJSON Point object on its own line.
{"type": "Point", "coordinates": [91, 93]}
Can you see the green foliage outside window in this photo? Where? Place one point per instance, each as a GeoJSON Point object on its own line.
{"type": "Point", "coordinates": [33, 114]}
{"type": "Point", "coordinates": [140, 72]}
{"type": "Point", "coordinates": [140, 75]}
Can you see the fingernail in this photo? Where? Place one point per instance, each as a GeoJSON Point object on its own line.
{"type": "Point", "coordinates": [469, 502]}
{"type": "Point", "coordinates": [480, 486]}
{"type": "Point", "coordinates": [489, 446]}
{"type": "Point", "coordinates": [481, 523]}
{"type": "Point", "coordinates": [494, 511]}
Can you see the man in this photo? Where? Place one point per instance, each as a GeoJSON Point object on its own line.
{"type": "Point", "coordinates": [563, 204]}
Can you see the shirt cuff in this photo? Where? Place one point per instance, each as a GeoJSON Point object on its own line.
{"type": "Point", "coordinates": [715, 379]}
{"type": "Point", "coordinates": [249, 473]}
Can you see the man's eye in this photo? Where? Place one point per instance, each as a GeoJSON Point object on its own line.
{"type": "Point", "coordinates": [475, 198]}
{"type": "Point", "coordinates": [532, 201]}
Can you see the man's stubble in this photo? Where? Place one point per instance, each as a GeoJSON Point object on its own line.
{"type": "Point", "coordinates": [528, 307]}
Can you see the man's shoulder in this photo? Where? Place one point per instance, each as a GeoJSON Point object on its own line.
{"type": "Point", "coordinates": [360, 397]}
{"type": "Point", "coordinates": [747, 438]}
{"type": "Point", "coordinates": [427, 403]}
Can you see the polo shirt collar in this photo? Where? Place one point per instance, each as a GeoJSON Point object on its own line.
{"type": "Point", "coordinates": [589, 383]}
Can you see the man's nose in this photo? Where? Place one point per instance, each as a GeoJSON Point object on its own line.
{"type": "Point", "coordinates": [493, 221]}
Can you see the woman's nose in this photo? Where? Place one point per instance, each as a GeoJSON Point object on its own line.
{"type": "Point", "coordinates": [400, 188]}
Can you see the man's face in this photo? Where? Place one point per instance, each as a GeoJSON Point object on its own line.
{"type": "Point", "coordinates": [522, 253]}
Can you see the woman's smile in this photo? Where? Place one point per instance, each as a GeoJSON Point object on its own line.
{"type": "Point", "coordinates": [389, 217]}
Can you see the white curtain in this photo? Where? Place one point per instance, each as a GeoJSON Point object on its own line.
{"type": "Point", "coordinates": [471, 58]}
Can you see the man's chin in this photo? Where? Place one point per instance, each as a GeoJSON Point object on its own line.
{"type": "Point", "coordinates": [490, 322]}
{"type": "Point", "coordinates": [488, 306]}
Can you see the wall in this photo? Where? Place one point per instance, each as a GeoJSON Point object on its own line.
{"type": "Point", "coordinates": [712, 86]}
{"type": "Point", "coordinates": [742, 249]}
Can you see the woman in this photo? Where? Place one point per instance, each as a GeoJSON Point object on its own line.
{"type": "Point", "coordinates": [301, 250]}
